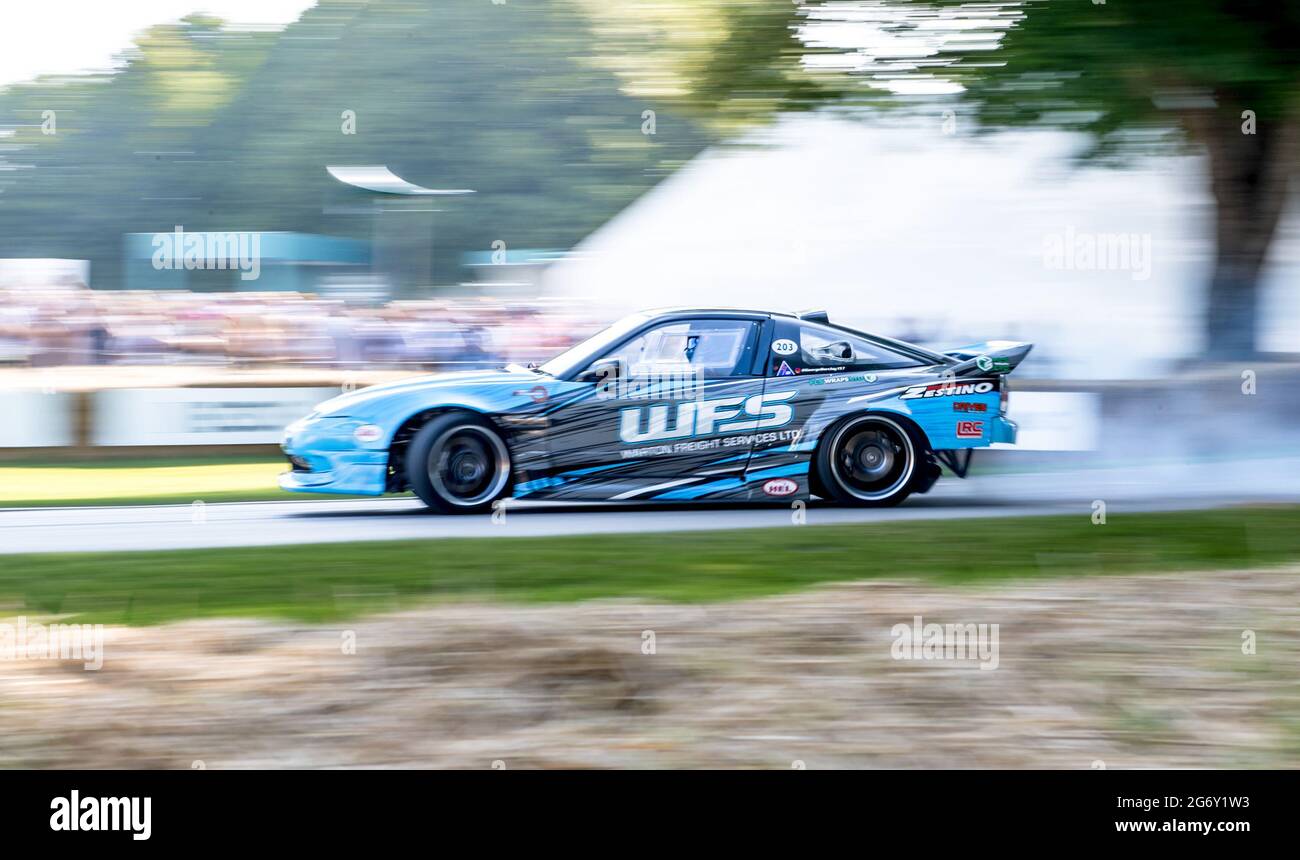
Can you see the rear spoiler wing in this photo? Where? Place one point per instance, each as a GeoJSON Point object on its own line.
{"type": "Point", "coordinates": [995, 356]}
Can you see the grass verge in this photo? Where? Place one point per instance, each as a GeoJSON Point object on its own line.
{"type": "Point", "coordinates": [331, 581]}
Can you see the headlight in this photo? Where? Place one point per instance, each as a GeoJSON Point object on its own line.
{"type": "Point", "coordinates": [337, 426]}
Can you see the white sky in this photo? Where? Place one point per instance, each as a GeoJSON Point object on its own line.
{"type": "Point", "coordinates": [66, 36]}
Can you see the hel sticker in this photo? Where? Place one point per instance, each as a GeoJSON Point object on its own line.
{"type": "Point", "coordinates": [785, 370]}
{"type": "Point", "coordinates": [970, 429]}
{"type": "Point", "coordinates": [984, 363]}
{"type": "Point", "coordinates": [784, 346]}
{"type": "Point", "coordinates": [780, 487]}
{"type": "Point", "coordinates": [368, 433]}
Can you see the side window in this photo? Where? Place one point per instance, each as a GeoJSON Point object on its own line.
{"type": "Point", "coordinates": [714, 348]}
{"type": "Point", "coordinates": [824, 349]}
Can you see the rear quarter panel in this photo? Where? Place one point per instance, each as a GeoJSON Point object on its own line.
{"type": "Point", "coordinates": [953, 414]}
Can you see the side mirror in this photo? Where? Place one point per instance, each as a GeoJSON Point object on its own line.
{"type": "Point", "coordinates": [600, 371]}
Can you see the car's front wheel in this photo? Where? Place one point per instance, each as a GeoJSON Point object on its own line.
{"type": "Point", "coordinates": [458, 464]}
{"type": "Point", "coordinates": [869, 461]}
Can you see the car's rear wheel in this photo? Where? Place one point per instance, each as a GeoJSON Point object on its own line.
{"type": "Point", "coordinates": [458, 464]}
{"type": "Point", "coordinates": [870, 461]}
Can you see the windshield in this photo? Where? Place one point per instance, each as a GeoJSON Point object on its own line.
{"type": "Point", "coordinates": [577, 357]}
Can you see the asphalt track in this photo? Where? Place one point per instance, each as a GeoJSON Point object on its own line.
{"type": "Point", "coordinates": [1173, 486]}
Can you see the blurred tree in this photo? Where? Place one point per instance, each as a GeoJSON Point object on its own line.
{"type": "Point", "coordinates": [1139, 77]}
{"type": "Point", "coordinates": [499, 98]}
{"type": "Point", "coordinates": [217, 128]}
{"type": "Point", "coordinates": [121, 155]}
{"type": "Point", "coordinates": [1226, 73]}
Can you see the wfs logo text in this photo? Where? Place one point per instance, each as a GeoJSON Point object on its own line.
{"type": "Point", "coordinates": [705, 417]}
{"type": "Point", "coordinates": [102, 813]}
{"type": "Point", "coordinates": [181, 250]}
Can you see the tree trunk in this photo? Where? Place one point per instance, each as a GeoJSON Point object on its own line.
{"type": "Point", "coordinates": [1249, 174]}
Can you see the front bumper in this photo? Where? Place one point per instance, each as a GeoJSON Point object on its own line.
{"type": "Point", "coordinates": [351, 479]}
{"type": "Point", "coordinates": [326, 459]}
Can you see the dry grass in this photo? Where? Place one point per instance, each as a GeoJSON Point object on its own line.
{"type": "Point", "coordinates": [1134, 671]}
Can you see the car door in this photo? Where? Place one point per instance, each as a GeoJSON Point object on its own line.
{"type": "Point", "coordinates": [663, 413]}
{"type": "Point", "coordinates": [816, 370]}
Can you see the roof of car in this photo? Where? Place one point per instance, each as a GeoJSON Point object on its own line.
{"type": "Point", "coordinates": [731, 312]}
{"type": "Point", "coordinates": [818, 317]}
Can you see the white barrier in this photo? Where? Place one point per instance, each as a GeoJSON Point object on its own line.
{"type": "Point", "coordinates": [200, 416]}
{"type": "Point", "coordinates": [36, 419]}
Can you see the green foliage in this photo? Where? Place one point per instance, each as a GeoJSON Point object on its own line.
{"type": "Point", "coordinates": [215, 129]}
{"type": "Point", "coordinates": [1105, 67]}
{"type": "Point", "coordinates": [1121, 70]}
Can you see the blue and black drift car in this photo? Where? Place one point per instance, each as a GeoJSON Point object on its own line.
{"type": "Point", "coordinates": [676, 405]}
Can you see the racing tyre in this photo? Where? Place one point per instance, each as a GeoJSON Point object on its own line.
{"type": "Point", "coordinates": [458, 464]}
{"type": "Point", "coordinates": [870, 461]}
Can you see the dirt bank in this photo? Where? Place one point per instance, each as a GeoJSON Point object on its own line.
{"type": "Point", "coordinates": [1143, 671]}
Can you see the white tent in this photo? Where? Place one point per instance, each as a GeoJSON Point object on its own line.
{"type": "Point", "coordinates": [911, 232]}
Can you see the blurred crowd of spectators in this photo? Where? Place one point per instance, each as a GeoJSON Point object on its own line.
{"type": "Point", "coordinates": [59, 326]}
